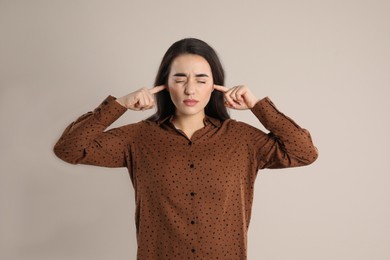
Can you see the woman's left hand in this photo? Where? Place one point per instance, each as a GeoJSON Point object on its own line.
{"type": "Point", "coordinates": [238, 97]}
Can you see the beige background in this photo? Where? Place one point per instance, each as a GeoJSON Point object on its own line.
{"type": "Point", "coordinates": [324, 63]}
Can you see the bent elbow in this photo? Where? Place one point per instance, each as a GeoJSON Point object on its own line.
{"type": "Point", "coordinates": [62, 153]}
{"type": "Point", "coordinates": [312, 156]}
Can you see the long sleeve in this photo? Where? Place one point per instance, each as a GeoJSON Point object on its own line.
{"type": "Point", "coordinates": [85, 142]}
{"type": "Point", "coordinates": [287, 144]}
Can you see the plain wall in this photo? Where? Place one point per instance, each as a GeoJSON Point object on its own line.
{"type": "Point", "coordinates": [326, 64]}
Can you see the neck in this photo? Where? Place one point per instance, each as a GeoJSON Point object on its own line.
{"type": "Point", "coordinates": [189, 124]}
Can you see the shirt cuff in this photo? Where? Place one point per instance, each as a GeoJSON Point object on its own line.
{"type": "Point", "coordinates": [263, 106]}
{"type": "Point", "coordinates": [269, 115]}
{"type": "Point", "coordinates": [109, 111]}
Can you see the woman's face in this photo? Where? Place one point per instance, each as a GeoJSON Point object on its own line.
{"type": "Point", "coordinates": [190, 84]}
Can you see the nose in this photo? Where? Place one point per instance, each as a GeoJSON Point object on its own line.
{"type": "Point", "coordinates": [189, 88]}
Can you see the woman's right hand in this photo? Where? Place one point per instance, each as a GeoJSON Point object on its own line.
{"type": "Point", "coordinates": [141, 99]}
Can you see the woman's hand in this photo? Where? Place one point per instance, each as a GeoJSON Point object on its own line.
{"type": "Point", "coordinates": [238, 97]}
{"type": "Point", "coordinates": [141, 99]}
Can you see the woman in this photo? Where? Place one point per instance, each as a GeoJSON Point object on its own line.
{"type": "Point", "coordinates": [192, 167]}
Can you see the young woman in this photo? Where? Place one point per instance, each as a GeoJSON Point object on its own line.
{"type": "Point", "coordinates": [192, 167]}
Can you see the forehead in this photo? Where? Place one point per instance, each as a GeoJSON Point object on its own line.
{"type": "Point", "coordinates": [190, 63]}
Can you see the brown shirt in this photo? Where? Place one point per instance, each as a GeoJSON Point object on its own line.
{"type": "Point", "coordinates": [193, 196]}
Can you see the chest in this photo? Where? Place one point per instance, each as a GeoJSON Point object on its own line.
{"type": "Point", "coordinates": [173, 164]}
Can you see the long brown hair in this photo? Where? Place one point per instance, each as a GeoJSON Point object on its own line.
{"type": "Point", "coordinates": [165, 107]}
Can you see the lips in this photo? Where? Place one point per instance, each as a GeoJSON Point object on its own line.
{"type": "Point", "coordinates": [190, 102]}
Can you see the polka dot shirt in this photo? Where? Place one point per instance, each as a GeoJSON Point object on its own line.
{"type": "Point", "coordinates": [193, 196]}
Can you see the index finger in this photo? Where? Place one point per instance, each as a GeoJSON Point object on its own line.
{"type": "Point", "coordinates": [157, 89]}
{"type": "Point", "coordinates": [221, 88]}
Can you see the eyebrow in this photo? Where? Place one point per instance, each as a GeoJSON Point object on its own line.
{"type": "Point", "coordinates": [184, 75]}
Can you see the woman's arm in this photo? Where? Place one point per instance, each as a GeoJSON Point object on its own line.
{"type": "Point", "coordinates": [84, 141]}
{"type": "Point", "coordinates": [287, 144]}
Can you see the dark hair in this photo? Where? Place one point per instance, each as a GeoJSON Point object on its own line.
{"type": "Point", "coordinates": [165, 107]}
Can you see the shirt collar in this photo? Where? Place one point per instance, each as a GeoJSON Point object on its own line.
{"type": "Point", "coordinates": [208, 119]}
